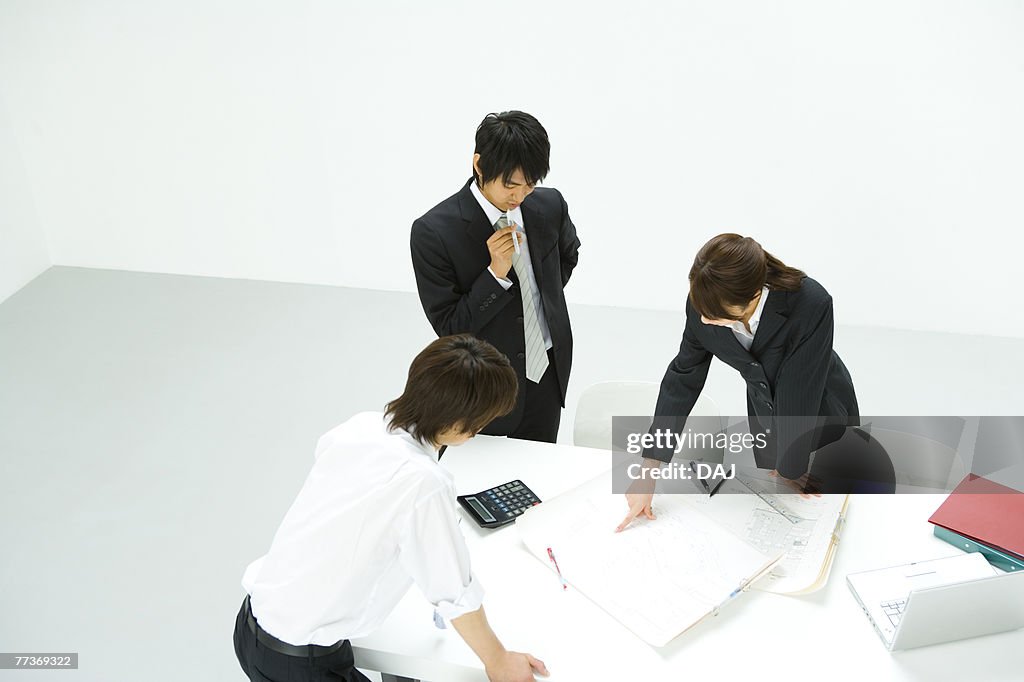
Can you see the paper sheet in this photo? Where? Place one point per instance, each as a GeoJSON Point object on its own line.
{"type": "Point", "coordinates": [808, 545]}
{"type": "Point", "coordinates": [657, 578]}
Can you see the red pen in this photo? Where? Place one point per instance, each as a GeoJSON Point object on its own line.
{"type": "Point", "coordinates": [551, 555]}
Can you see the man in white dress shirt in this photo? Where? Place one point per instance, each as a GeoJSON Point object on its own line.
{"type": "Point", "coordinates": [376, 514]}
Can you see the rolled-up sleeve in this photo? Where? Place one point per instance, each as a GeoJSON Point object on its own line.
{"type": "Point", "coordinates": [434, 554]}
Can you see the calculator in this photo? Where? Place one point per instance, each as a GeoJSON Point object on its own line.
{"type": "Point", "coordinates": [499, 505]}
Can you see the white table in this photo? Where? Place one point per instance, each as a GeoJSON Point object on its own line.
{"type": "Point", "coordinates": [759, 636]}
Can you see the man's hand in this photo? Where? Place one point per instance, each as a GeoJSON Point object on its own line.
{"type": "Point", "coordinates": [512, 666]}
{"type": "Point", "coordinates": [806, 485]}
{"type": "Point", "coordinates": [501, 665]}
{"type": "Point", "coordinates": [501, 248]}
{"type": "Point", "coordinates": [638, 498]}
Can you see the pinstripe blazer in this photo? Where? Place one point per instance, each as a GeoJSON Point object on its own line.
{"type": "Point", "coordinates": [791, 372]}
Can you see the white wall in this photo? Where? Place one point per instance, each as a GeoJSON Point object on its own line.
{"type": "Point", "coordinates": [23, 248]}
{"type": "Point", "coordinates": [876, 145]}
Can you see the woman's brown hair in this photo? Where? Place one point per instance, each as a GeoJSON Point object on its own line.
{"type": "Point", "coordinates": [457, 381]}
{"type": "Point", "coordinates": [730, 270]}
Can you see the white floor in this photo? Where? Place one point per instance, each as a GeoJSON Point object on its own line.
{"type": "Point", "coordinates": [155, 428]}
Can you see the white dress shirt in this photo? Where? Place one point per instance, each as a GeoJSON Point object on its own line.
{"type": "Point", "coordinates": [745, 338]}
{"type": "Point", "coordinates": [516, 216]}
{"type": "Point", "coordinates": [376, 513]}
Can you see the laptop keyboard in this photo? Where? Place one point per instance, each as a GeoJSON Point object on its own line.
{"type": "Point", "coordinates": [894, 610]}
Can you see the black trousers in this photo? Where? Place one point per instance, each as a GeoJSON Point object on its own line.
{"type": "Point", "coordinates": [261, 664]}
{"type": "Point", "coordinates": [542, 410]}
{"type": "Point", "coordinates": [542, 407]}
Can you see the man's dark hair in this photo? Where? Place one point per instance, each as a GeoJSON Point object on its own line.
{"type": "Point", "coordinates": [456, 381]}
{"type": "Point", "coordinates": [509, 141]}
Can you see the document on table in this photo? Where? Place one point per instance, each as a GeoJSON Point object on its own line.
{"type": "Point", "coordinates": [809, 545]}
{"type": "Point", "coordinates": [658, 578]}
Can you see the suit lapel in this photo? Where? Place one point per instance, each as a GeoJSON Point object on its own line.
{"type": "Point", "coordinates": [478, 227]}
{"type": "Point", "coordinates": [728, 341]}
{"type": "Point", "coordinates": [773, 317]}
{"type": "Point", "coordinates": [539, 239]}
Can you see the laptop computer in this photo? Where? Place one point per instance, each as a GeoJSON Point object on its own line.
{"type": "Point", "coordinates": [942, 600]}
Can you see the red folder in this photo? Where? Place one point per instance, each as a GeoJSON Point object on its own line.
{"type": "Point", "coordinates": [986, 512]}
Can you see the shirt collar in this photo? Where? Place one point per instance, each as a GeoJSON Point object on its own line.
{"type": "Point", "coordinates": [492, 211]}
{"type": "Point", "coordinates": [755, 319]}
{"type": "Point", "coordinates": [426, 448]}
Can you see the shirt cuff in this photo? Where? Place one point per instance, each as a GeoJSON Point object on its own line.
{"type": "Point", "coordinates": [470, 600]}
{"type": "Point", "coordinates": [506, 284]}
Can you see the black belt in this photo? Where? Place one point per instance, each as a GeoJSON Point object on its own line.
{"type": "Point", "coordinates": [274, 644]}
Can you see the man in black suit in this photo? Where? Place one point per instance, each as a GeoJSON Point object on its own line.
{"type": "Point", "coordinates": [493, 259]}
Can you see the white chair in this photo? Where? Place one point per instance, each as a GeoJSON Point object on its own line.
{"type": "Point", "coordinates": [920, 461]}
{"type": "Point", "coordinates": [600, 402]}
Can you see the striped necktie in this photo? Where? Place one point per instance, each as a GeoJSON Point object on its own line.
{"type": "Point", "coordinates": [536, 354]}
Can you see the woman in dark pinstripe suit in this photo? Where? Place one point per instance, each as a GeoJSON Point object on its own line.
{"type": "Point", "coordinates": [773, 324]}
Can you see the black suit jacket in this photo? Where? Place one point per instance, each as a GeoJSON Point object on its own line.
{"type": "Point", "coordinates": [459, 295]}
{"type": "Point", "coordinates": [797, 386]}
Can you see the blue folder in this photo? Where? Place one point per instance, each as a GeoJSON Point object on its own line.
{"type": "Point", "coordinates": [997, 558]}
